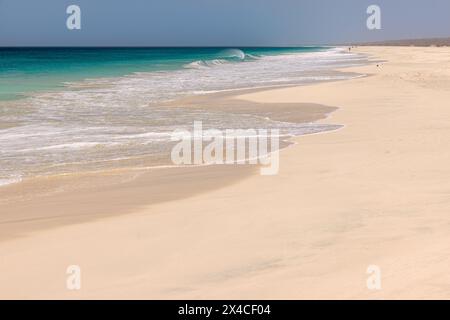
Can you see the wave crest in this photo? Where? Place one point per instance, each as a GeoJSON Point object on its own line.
{"type": "Point", "coordinates": [233, 53]}
{"type": "Point", "coordinates": [223, 57]}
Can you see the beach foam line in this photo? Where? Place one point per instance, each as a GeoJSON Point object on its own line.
{"type": "Point", "coordinates": [8, 181]}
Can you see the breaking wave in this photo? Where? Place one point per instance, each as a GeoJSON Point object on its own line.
{"type": "Point", "coordinates": [223, 57]}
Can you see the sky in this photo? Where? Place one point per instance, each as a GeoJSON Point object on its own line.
{"type": "Point", "coordinates": [218, 22]}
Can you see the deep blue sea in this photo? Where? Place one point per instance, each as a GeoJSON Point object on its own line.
{"type": "Point", "coordinates": [71, 110]}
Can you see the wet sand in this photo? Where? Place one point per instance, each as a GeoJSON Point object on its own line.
{"type": "Point", "coordinates": [53, 201]}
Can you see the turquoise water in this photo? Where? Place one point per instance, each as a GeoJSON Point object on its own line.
{"type": "Point", "coordinates": [25, 70]}
{"type": "Point", "coordinates": [67, 110]}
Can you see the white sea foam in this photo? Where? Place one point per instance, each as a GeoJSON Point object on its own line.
{"type": "Point", "coordinates": [7, 181]}
{"type": "Point", "coordinates": [202, 64]}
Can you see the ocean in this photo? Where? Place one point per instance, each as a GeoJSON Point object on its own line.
{"type": "Point", "coordinates": [65, 110]}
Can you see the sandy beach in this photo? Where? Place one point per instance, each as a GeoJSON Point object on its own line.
{"type": "Point", "coordinates": [375, 192]}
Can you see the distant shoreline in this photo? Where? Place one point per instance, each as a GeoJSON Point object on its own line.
{"type": "Point", "coordinates": [425, 42]}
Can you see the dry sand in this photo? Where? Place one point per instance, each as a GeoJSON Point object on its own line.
{"type": "Point", "coordinates": [376, 192]}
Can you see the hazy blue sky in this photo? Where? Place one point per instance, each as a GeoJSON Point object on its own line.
{"type": "Point", "coordinates": [217, 22]}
